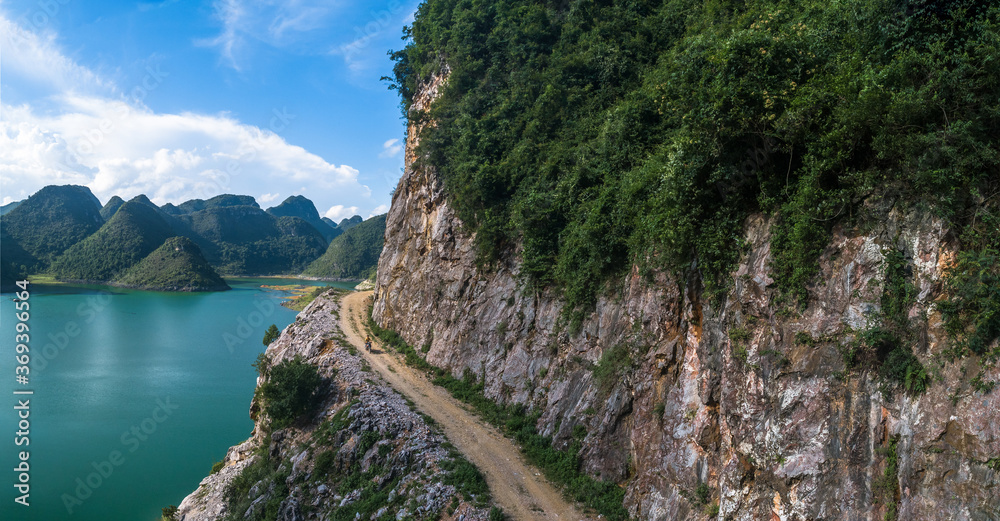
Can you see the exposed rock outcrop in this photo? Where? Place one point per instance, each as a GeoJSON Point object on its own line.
{"type": "Point", "coordinates": [752, 400]}
{"type": "Point", "coordinates": [364, 454]}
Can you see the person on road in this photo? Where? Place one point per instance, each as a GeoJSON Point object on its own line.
{"type": "Point", "coordinates": [368, 343]}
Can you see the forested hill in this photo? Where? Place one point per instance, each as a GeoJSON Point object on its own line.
{"type": "Point", "coordinates": [299, 206]}
{"type": "Point", "coordinates": [353, 254]}
{"type": "Point", "coordinates": [63, 231]}
{"type": "Point", "coordinates": [598, 135]}
{"type": "Point", "coordinates": [177, 265]}
{"type": "Point", "coordinates": [49, 222]}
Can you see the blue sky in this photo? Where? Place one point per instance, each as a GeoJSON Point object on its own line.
{"type": "Point", "coordinates": [182, 99]}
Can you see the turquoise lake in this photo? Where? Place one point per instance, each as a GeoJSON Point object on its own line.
{"type": "Point", "coordinates": [135, 398]}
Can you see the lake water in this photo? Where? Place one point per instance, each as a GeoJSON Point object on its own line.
{"type": "Point", "coordinates": [135, 398]}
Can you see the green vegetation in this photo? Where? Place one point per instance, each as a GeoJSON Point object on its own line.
{"type": "Point", "coordinates": [177, 265]}
{"type": "Point", "coordinates": [614, 363]}
{"type": "Point", "coordinates": [290, 392]}
{"type": "Point", "coordinates": [560, 466]}
{"type": "Point", "coordinates": [15, 262]}
{"type": "Point", "coordinates": [5, 209]}
{"type": "Point", "coordinates": [703, 493]}
{"type": "Point", "coordinates": [354, 254]}
{"type": "Point", "coordinates": [218, 201]}
{"type": "Point", "coordinates": [169, 513]}
{"type": "Point", "coordinates": [597, 135]}
{"type": "Point", "coordinates": [271, 475]}
{"type": "Point", "coordinates": [111, 207]}
{"type": "Point", "coordinates": [217, 466]}
{"type": "Point", "coordinates": [346, 224]}
{"type": "Point", "coordinates": [298, 206]}
{"type": "Point", "coordinates": [62, 231]}
{"type": "Point", "coordinates": [885, 488]}
{"type": "Point", "coordinates": [300, 302]}
{"type": "Point", "coordinates": [129, 236]}
{"type": "Point", "coordinates": [245, 239]}
{"type": "Point", "coordinates": [393, 340]}
{"type": "Point", "coordinates": [45, 225]}
{"type": "Point", "coordinates": [263, 363]}
{"type": "Point", "coordinates": [270, 335]}
{"type": "Point", "coordinates": [972, 316]}
{"type": "Point", "coordinates": [466, 478]}
{"type": "Point", "coordinates": [886, 343]}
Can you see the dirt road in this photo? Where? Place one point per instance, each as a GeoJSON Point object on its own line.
{"type": "Point", "coordinates": [520, 489]}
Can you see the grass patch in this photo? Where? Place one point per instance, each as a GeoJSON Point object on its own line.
{"type": "Point", "coordinates": [612, 366]}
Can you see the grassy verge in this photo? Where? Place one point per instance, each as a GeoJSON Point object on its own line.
{"type": "Point", "coordinates": [519, 424]}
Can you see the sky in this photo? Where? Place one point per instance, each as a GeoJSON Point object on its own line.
{"type": "Point", "coordinates": [190, 99]}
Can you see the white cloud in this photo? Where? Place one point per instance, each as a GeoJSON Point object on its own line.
{"type": "Point", "coordinates": [339, 212]}
{"type": "Point", "coordinates": [86, 133]}
{"type": "Point", "coordinates": [267, 198]}
{"type": "Point", "coordinates": [391, 148]}
{"type": "Point", "coordinates": [274, 23]}
{"type": "Point", "coordinates": [37, 58]}
{"type": "Point", "coordinates": [379, 210]}
{"type": "Point", "coordinates": [120, 150]}
{"type": "Point", "coordinates": [367, 50]}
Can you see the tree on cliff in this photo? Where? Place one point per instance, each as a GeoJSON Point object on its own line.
{"type": "Point", "coordinates": [271, 334]}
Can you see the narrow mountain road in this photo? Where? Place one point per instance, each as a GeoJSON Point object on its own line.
{"type": "Point", "coordinates": [519, 489]}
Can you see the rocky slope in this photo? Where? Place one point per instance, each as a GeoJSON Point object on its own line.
{"type": "Point", "coordinates": [744, 405]}
{"type": "Point", "coordinates": [363, 455]}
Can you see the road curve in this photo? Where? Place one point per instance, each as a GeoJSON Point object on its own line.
{"type": "Point", "coordinates": [521, 490]}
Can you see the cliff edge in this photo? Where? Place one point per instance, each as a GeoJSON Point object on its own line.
{"type": "Point", "coordinates": [741, 410]}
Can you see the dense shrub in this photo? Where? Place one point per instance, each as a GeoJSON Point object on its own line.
{"type": "Point", "coordinates": [597, 134]}
{"type": "Point", "coordinates": [291, 390]}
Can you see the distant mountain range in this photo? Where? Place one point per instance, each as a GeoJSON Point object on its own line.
{"type": "Point", "coordinates": [65, 232]}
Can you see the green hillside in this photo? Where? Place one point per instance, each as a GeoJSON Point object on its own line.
{"type": "Point", "coordinates": [177, 265]}
{"type": "Point", "coordinates": [14, 261]}
{"type": "Point", "coordinates": [242, 240]}
{"type": "Point", "coordinates": [299, 206]}
{"type": "Point", "coordinates": [5, 209]}
{"type": "Point", "coordinates": [111, 207]}
{"type": "Point", "coordinates": [170, 209]}
{"type": "Point", "coordinates": [354, 254]}
{"type": "Point", "coordinates": [232, 224]}
{"type": "Point", "coordinates": [131, 234]}
{"type": "Point", "coordinates": [218, 201]}
{"type": "Point", "coordinates": [347, 224]}
{"type": "Point", "coordinates": [50, 221]}
{"type": "Point", "coordinates": [596, 135]}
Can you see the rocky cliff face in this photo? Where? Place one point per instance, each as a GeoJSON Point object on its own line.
{"type": "Point", "coordinates": [363, 455]}
{"type": "Point", "coordinates": [746, 398]}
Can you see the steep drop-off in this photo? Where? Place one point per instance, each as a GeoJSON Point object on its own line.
{"type": "Point", "coordinates": [363, 454]}
{"type": "Point", "coordinates": [749, 405]}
